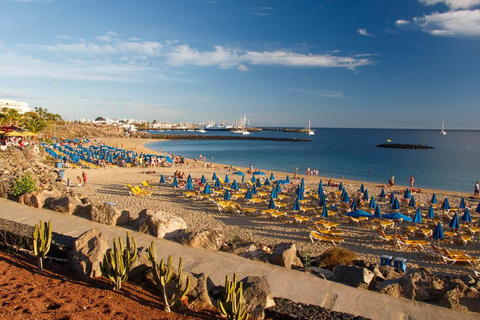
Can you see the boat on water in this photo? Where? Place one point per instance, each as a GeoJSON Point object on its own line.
{"type": "Point", "coordinates": [309, 130]}
{"type": "Point", "coordinates": [241, 129]}
{"type": "Point", "coordinates": [201, 129]}
{"type": "Point", "coordinates": [443, 128]}
{"type": "Point", "coordinates": [212, 126]}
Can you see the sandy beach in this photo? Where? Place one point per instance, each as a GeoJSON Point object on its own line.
{"type": "Point", "coordinates": [109, 184]}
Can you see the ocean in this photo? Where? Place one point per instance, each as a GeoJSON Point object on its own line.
{"type": "Point", "coordinates": [453, 165]}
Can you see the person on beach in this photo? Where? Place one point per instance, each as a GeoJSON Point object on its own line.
{"type": "Point", "coordinates": [84, 176]}
{"type": "Point", "coordinates": [477, 189]}
{"type": "Point", "coordinates": [391, 182]}
{"type": "Point", "coordinates": [79, 181]}
{"type": "Point", "coordinates": [308, 171]}
{"type": "Point", "coordinates": [411, 181]}
{"type": "Point", "coordinates": [296, 173]}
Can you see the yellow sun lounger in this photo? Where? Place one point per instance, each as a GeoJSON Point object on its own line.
{"type": "Point", "coordinates": [299, 219]}
{"type": "Point", "coordinates": [326, 238]}
{"type": "Point", "coordinates": [146, 185]}
{"type": "Point", "coordinates": [277, 214]}
{"type": "Point", "coordinates": [326, 225]}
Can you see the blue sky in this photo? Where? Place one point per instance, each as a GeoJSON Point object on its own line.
{"type": "Point", "coordinates": [359, 63]}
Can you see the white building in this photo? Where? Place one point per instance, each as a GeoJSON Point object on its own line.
{"type": "Point", "coordinates": [21, 107]}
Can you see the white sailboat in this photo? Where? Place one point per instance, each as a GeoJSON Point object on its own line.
{"type": "Point", "coordinates": [310, 132]}
{"type": "Point", "coordinates": [241, 129]}
{"type": "Point", "coordinates": [443, 128]}
{"type": "Point", "coordinates": [201, 129]}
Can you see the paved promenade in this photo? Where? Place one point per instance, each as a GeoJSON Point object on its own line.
{"type": "Point", "coordinates": [295, 285]}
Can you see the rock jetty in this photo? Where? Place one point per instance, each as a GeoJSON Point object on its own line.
{"type": "Point", "coordinates": [403, 146]}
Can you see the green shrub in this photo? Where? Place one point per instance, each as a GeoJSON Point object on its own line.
{"type": "Point", "coordinates": [337, 255]}
{"type": "Point", "coordinates": [24, 185]}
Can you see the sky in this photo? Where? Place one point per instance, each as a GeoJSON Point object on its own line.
{"type": "Point", "coordinates": [358, 63]}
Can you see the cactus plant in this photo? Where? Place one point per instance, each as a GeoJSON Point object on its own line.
{"type": "Point", "coordinates": [116, 262]}
{"type": "Point", "coordinates": [163, 275]}
{"type": "Point", "coordinates": [42, 239]}
{"type": "Point", "coordinates": [231, 306]}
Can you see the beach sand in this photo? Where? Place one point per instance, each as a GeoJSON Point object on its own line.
{"type": "Point", "coordinates": [110, 185]}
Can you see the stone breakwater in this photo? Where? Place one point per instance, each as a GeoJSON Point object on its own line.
{"type": "Point", "coordinates": [403, 146]}
{"type": "Point", "coordinates": [209, 137]}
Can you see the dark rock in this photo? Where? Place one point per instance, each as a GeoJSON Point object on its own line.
{"type": "Point", "coordinates": [322, 273]}
{"type": "Point", "coordinates": [199, 296]}
{"type": "Point", "coordinates": [88, 251]}
{"type": "Point", "coordinates": [354, 276]}
{"type": "Point", "coordinates": [257, 296]}
{"type": "Point", "coordinates": [67, 205]}
{"type": "Point", "coordinates": [139, 266]}
{"type": "Point", "coordinates": [285, 255]}
{"type": "Point", "coordinates": [389, 272]}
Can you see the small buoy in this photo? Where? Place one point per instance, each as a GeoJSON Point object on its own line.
{"type": "Point", "coordinates": [388, 140]}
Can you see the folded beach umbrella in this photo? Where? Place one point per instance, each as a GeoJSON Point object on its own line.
{"type": "Point", "coordinates": [214, 177]}
{"type": "Point", "coordinates": [162, 179]}
{"type": "Point", "coordinates": [324, 212]}
{"type": "Point", "coordinates": [382, 194]}
{"type": "Point", "coordinates": [445, 204]}
{"type": "Point", "coordinates": [392, 198]}
{"type": "Point", "coordinates": [226, 195]}
{"type": "Point", "coordinates": [296, 205]}
{"type": "Point", "coordinates": [322, 202]}
{"type": "Point", "coordinates": [434, 199]}
{"type": "Point", "coordinates": [466, 216]}
{"type": "Point", "coordinates": [207, 190]}
{"type": "Point", "coordinates": [254, 190]}
{"type": "Point", "coordinates": [478, 208]}
{"type": "Point", "coordinates": [248, 194]}
{"type": "Point", "coordinates": [397, 216]}
{"type": "Point", "coordinates": [412, 203]}
{"type": "Point", "coordinates": [274, 193]}
{"type": "Point", "coordinates": [227, 180]}
{"type": "Point", "coordinates": [407, 194]}
{"type": "Point", "coordinates": [272, 177]}
{"type": "Point", "coordinates": [302, 183]}
{"type": "Point", "coordinates": [359, 213]}
{"type": "Point", "coordinates": [343, 193]}
{"type": "Point", "coordinates": [217, 184]}
{"type": "Point", "coordinates": [362, 188]}
{"type": "Point", "coordinates": [353, 206]}
{"type": "Point", "coordinates": [234, 185]}
{"type": "Point", "coordinates": [431, 213]}
{"type": "Point", "coordinates": [243, 178]}
{"type": "Point", "coordinates": [203, 180]}
{"type": "Point", "coordinates": [340, 186]}
{"type": "Point", "coordinates": [373, 203]}
{"type": "Point", "coordinates": [462, 203]}
{"type": "Point", "coordinates": [418, 216]}
{"type": "Point", "coordinates": [267, 182]}
{"type": "Point", "coordinates": [299, 193]}
{"type": "Point", "coordinates": [271, 204]}
{"type": "Point", "coordinates": [175, 182]}
{"type": "Point", "coordinates": [396, 204]}
{"type": "Point", "coordinates": [189, 177]}
{"type": "Point", "coordinates": [438, 233]}
{"type": "Point", "coordinates": [320, 189]}
{"type": "Point", "coordinates": [365, 195]}
{"type": "Point", "coordinates": [377, 214]}
{"type": "Point", "coordinates": [320, 183]}
{"type": "Point", "coordinates": [259, 183]}
{"type": "Point", "coordinates": [287, 180]}
{"type": "Point", "coordinates": [253, 180]}
{"type": "Point", "coordinates": [455, 222]}
{"type": "Point", "coordinates": [346, 198]}
{"type": "Point", "coordinates": [189, 185]}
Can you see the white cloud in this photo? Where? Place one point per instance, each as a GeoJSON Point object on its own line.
{"type": "Point", "coordinates": [242, 68]}
{"type": "Point", "coordinates": [364, 32]}
{"type": "Point", "coordinates": [321, 93]}
{"type": "Point", "coordinates": [463, 23]}
{"type": "Point", "coordinates": [453, 4]}
{"type": "Point", "coordinates": [402, 22]}
{"type": "Point", "coordinates": [260, 11]}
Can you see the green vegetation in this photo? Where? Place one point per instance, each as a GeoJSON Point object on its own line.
{"type": "Point", "coordinates": [163, 277]}
{"type": "Point", "coordinates": [42, 239]}
{"type": "Point", "coordinates": [24, 185]}
{"type": "Point", "coordinates": [231, 306]}
{"type": "Point", "coordinates": [116, 262]}
{"type": "Point", "coordinates": [337, 255]}
{"type": "Point", "coordinates": [32, 121]}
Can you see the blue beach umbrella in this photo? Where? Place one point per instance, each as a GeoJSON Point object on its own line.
{"type": "Point", "coordinates": [418, 216]}
{"type": "Point", "coordinates": [438, 233]}
{"type": "Point", "coordinates": [271, 204]}
{"type": "Point", "coordinates": [412, 203]}
{"type": "Point", "coordinates": [302, 183]}
{"type": "Point", "coordinates": [320, 183]}
{"type": "Point", "coordinates": [396, 216]}
{"type": "Point", "coordinates": [431, 213]}
{"type": "Point", "coordinates": [274, 193]}
{"type": "Point", "coordinates": [346, 198]}
{"type": "Point", "coordinates": [162, 179]}
{"type": "Point", "coordinates": [362, 188]}
{"type": "Point", "coordinates": [299, 193]}
{"type": "Point", "coordinates": [365, 195]}
{"type": "Point", "coordinates": [392, 198]}
{"type": "Point", "coordinates": [324, 212]}
{"type": "Point", "coordinates": [296, 205]}
{"type": "Point", "coordinates": [434, 199]}
{"type": "Point", "coordinates": [189, 177]}
{"type": "Point", "coordinates": [248, 194]}
{"type": "Point", "coordinates": [445, 204]}
{"type": "Point", "coordinates": [359, 213]}
{"type": "Point", "coordinates": [254, 190]}
{"type": "Point", "coordinates": [207, 190]}
{"type": "Point", "coordinates": [287, 180]}
{"type": "Point", "coordinates": [214, 177]}
{"type": "Point", "coordinates": [373, 203]}
{"type": "Point", "coordinates": [243, 178]}
{"type": "Point", "coordinates": [320, 189]}
{"type": "Point", "coordinates": [272, 177]}
{"type": "Point", "coordinates": [382, 194]}
{"type": "Point", "coordinates": [259, 183]}
{"type": "Point", "coordinates": [175, 182]}
{"type": "Point", "coordinates": [478, 208]}
{"type": "Point", "coordinates": [353, 206]}
{"type": "Point", "coordinates": [189, 185]}
{"type": "Point", "coordinates": [227, 180]}
{"type": "Point", "coordinates": [267, 182]}
{"type": "Point", "coordinates": [253, 180]}
{"type": "Point", "coordinates": [377, 214]}
{"type": "Point", "coordinates": [260, 173]}
{"type": "Point", "coordinates": [407, 194]}
{"type": "Point", "coordinates": [203, 180]}
{"type": "Point", "coordinates": [217, 184]}
{"type": "Point", "coordinates": [239, 173]}
{"type": "Point", "coordinates": [455, 222]}
{"type": "Point", "coordinates": [466, 216]}
{"type": "Point", "coordinates": [396, 204]}
{"type": "Point", "coordinates": [462, 203]}
{"type": "Point", "coordinates": [234, 185]}
{"type": "Point", "coordinates": [340, 186]}
{"type": "Point", "coordinates": [226, 195]}
{"type": "Point", "coordinates": [322, 202]}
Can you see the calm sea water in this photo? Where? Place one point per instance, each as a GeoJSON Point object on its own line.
{"type": "Point", "coordinates": [454, 164]}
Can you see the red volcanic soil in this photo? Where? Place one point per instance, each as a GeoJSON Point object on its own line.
{"type": "Point", "coordinates": [60, 294]}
